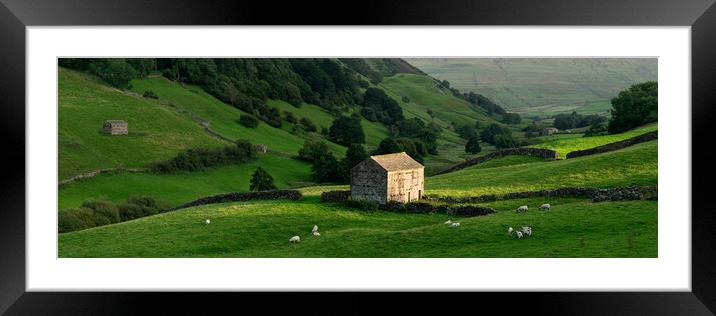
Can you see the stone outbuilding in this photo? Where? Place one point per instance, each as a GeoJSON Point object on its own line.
{"type": "Point", "coordinates": [261, 148]}
{"type": "Point", "coordinates": [385, 178]}
{"type": "Point", "coordinates": [548, 131]}
{"type": "Point", "coordinates": [115, 127]}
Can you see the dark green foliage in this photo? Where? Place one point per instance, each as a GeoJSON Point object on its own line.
{"type": "Point", "coordinates": [150, 94]}
{"type": "Point", "coordinates": [505, 140]}
{"type": "Point", "coordinates": [313, 150]}
{"type": "Point", "coordinates": [346, 130]}
{"type": "Point", "coordinates": [308, 125]}
{"type": "Point", "coordinates": [490, 132]}
{"type": "Point", "coordinates": [574, 120]}
{"type": "Point", "coordinates": [416, 130]}
{"type": "Point", "coordinates": [532, 130]}
{"type": "Point", "coordinates": [198, 159]}
{"type": "Point", "coordinates": [143, 66]}
{"type": "Point", "coordinates": [355, 154]}
{"type": "Point", "coordinates": [483, 102]}
{"type": "Point", "coordinates": [289, 117]}
{"type": "Point", "coordinates": [405, 99]}
{"type": "Point", "coordinates": [466, 131]}
{"type": "Point", "coordinates": [431, 113]}
{"type": "Point", "coordinates": [100, 212]}
{"type": "Point", "coordinates": [261, 181]}
{"type": "Point", "coordinates": [384, 109]}
{"type": "Point", "coordinates": [387, 146]}
{"type": "Point", "coordinates": [511, 118]}
{"type": "Point", "coordinates": [248, 121]}
{"type": "Point", "coordinates": [635, 106]}
{"type": "Point", "coordinates": [114, 71]}
{"type": "Point", "coordinates": [473, 145]}
{"type": "Point", "coordinates": [596, 130]}
{"type": "Point", "coordinates": [327, 169]}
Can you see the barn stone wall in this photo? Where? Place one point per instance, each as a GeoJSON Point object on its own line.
{"type": "Point", "coordinates": [369, 182]}
{"type": "Point", "coordinates": [406, 185]}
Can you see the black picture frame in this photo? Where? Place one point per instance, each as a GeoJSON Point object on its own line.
{"type": "Point", "coordinates": [16, 15]}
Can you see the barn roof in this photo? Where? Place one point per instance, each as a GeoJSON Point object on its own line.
{"type": "Point", "coordinates": [395, 162]}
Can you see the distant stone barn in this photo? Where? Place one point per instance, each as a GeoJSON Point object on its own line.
{"type": "Point", "coordinates": [116, 127]}
{"type": "Point", "coordinates": [548, 131]}
{"type": "Point", "coordinates": [384, 178]}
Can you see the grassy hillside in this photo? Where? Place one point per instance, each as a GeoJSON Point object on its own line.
{"type": "Point", "coordinates": [573, 228]}
{"type": "Point", "coordinates": [543, 86]}
{"type": "Point", "coordinates": [156, 132]}
{"type": "Point", "coordinates": [224, 119]}
{"type": "Point", "coordinates": [186, 186]}
{"type": "Point", "coordinates": [636, 165]}
{"type": "Point", "coordinates": [564, 144]}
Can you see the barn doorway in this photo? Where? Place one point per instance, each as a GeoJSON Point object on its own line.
{"type": "Point", "coordinates": [408, 196]}
{"type": "Point", "coordinates": [420, 194]}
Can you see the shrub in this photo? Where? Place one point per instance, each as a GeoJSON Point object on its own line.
{"type": "Point", "coordinates": [473, 146]}
{"type": "Point", "coordinates": [289, 117]}
{"type": "Point", "coordinates": [362, 204]}
{"type": "Point", "coordinates": [346, 130]}
{"type": "Point", "coordinates": [103, 212]}
{"type": "Point", "coordinates": [198, 159]}
{"type": "Point", "coordinates": [308, 125]}
{"type": "Point", "coordinates": [313, 150]}
{"type": "Point", "coordinates": [405, 99]}
{"type": "Point", "coordinates": [129, 211]}
{"type": "Point", "coordinates": [261, 181]}
{"type": "Point", "coordinates": [75, 219]}
{"type": "Point", "coordinates": [150, 94]}
{"type": "Point", "coordinates": [248, 121]}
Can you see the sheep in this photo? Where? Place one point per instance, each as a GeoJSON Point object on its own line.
{"type": "Point", "coordinates": [456, 224]}
{"type": "Point", "coordinates": [448, 222]}
{"type": "Point", "coordinates": [522, 208]}
{"type": "Point", "coordinates": [527, 230]}
{"type": "Point", "coordinates": [208, 222]}
{"type": "Point", "coordinates": [519, 234]}
{"type": "Point", "coordinates": [545, 207]}
{"type": "Point", "coordinates": [294, 239]}
{"type": "Point", "coordinates": [510, 231]}
{"type": "Point", "coordinates": [316, 234]}
{"type": "Point", "coordinates": [315, 229]}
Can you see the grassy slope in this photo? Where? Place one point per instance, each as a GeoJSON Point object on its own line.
{"type": "Point", "coordinates": [183, 187]}
{"type": "Point", "coordinates": [573, 228]}
{"type": "Point", "coordinates": [633, 165]}
{"type": "Point", "coordinates": [224, 118]}
{"type": "Point", "coordinates": [564, 144]}
{"type": "Point", "coordinates": [555, 85]}
{"type": "Point", "coordinates": [155, 131]}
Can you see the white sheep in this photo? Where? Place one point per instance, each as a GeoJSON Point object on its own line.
{"type": "Point", "coordinates": [545, 207]}
{"type": "Point", "coordinates": [522, 208]}
{"type": "Point", "coordinates": [294, 239]}
{"type": "Point", "coordinates": [208, 222]}
{"type": "Point", "coordinates": [315, 229]}
{"type": "Point", "coordinates": [456, 224]}
{"type": "Point", "coordinates": [448, 222]}
{"type": "Point", "coordinates": [510, 231]}
{"type": "Point", "coordinates": [316, 234]}
{"type": "Point", "coordinates": [526, 230]}
{"type": "Point", "coordinates": [519, 234]}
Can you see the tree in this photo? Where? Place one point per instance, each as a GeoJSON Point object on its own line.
{"type": "Point", "coordinates": [313, 150]}
{"type": "Point", "coordinates": [490, 132]}
{"type": "Point", "coordinates": [635, 106]}
{"type": "Point", "coordinates": [466, 132]}
{"type": "Point", "coordinates": [346, 130]}
{"type": "Point", "coordinates": [248, 121]}
{"type": "Point", "coordinates": [505, 140]}
{"type": "Point", "coordinates": [326, 169]}
{"type": "Point", "coordinates": [261, 181]}
{"type": "Point", "coordinates": [308, 125]}
{"type": "Point", "coordinates": [387, 146]}
{"type": "Point", "coordinates": [511, 118]}
{"type": "Point", "coordinates": [473, 145]}
{"type": "Point", "coordinates": [355, 154]}
{"type": "Point", "coordinates": [114, 71]}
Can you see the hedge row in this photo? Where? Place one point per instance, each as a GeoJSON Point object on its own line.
{"type": "Point", "coordinates": [614, 146]}
{"type": "Point", "coordinates": [95, 213]}
{"type": "Point", "coordinates": [596, 194]}
{"type": "Point", "coordinates": [522, 151]}
{"type": "Point", "coordinates": [244, 196]}
{"type": "Point", "coordinates": [197, 159]}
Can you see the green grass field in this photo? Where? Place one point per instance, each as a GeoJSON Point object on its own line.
{"type": "Point", "coordinates": [565, 144]}
{"type": "Point", "coordinates": [543, 86]}
{"type": "Point", "coordinates": [185, 186]}
{"type": "Point", "coordinates": [573, 228]}
{"type": "Point", "coordinates": [156, 132]}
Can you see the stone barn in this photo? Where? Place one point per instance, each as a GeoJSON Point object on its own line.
{"type": "Point", "coordinates": [384, 178]}
{"type": "Point", "coordinates": [115, 127]}
{"type": "Point", "coordinates": [261, 148]}
{"type": "Point", "coordinates": [548, 131]}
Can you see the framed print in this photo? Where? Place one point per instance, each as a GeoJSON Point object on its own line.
{"type": "Point", "coordinates": [475, 148]}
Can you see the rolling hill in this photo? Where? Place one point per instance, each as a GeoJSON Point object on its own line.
{"type": "Point", "coordinates": [543, 86]}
